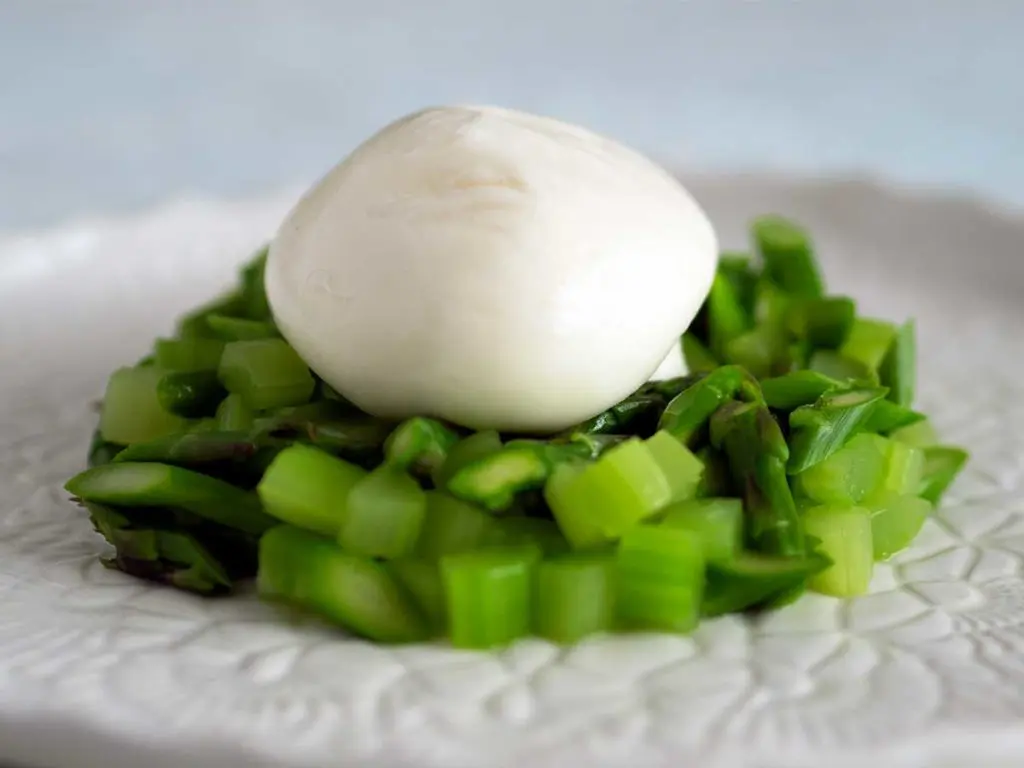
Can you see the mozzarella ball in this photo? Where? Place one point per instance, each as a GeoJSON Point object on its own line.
{"type": "Point", "coordinates": [490, 267]}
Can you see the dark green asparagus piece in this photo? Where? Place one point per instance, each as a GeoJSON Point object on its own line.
{"type": "Point", "coordinates": [100, 451]}
{"type": "Point", "coordinates": [698, 357]}
{"type": "Point", "coordinates": [819, 430]}
{"type": "Point", "coordinates": [687, 414]}
{"type": "Point", "coordinates": [751, 579]}
{"type": "Point", "coordinates": [193, 449]}
{"type": "Point", "coordinates": [788, 256]}
{"type": "Point", "coordinates": [190, 394]}
{"type": "Point", "coordinates": [887, 417]}
{"type": "Point", "coordinates": [726, 317]}
{"type": "Point", "coordinates": [229, 328]}
{"type": "Point", "coordinates": [194, 324]}
{"type": "Point", "coordinates": [899, 366]}
{"type": "Point", "coordinates": [824, 322]}
{"type": "Point", "coordinates": [163, 485]}
{"type": "Point", "coordinates": [784, 393]}
{"type": "Point", "coordinates": [837, 366]}
{"type": "Point", "coordinates": [420, 445]}
{"type": "Point", "coordinates": [757, 454]}
{"type": "Point", "coordinates": [737, 269]}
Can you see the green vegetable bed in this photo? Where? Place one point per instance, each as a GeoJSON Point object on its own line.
{"type": "Point", "coordinates": [790, 458]}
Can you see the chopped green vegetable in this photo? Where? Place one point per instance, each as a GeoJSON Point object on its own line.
{"type": "Point", "coordinates": [240, 328]}
{"type": "Point", "coordinates": [824, 322]}
{"type": "Point", "coordinates": [899, 366]}
{"type": "Point", "coordinates": [151, 484]}
{"type": "Point", "coordinates": [464, 452]}
{"type": "Point", "coordinates": [254, 294]}
{"type": "Point", "coordinates": [451, 525]}
{"type": "Point", "coordinates": [920, 434]}
{"type": "Point", "coordinates": [681, 468]}
{"type": "Point", "coordinates": [788, 256]}
{"type": "Point", "coordinates": [234, 414]}
{"type": "Point", "coordinates": [844, 534]}
{"type": "Point", "coordinates": [717, 522]}
{"type": "Point", "coordinates": [421, 579]}
{"type": "Point", "coordinates": [191, 394]}
{"type": "Point", "coordinates": [817, 431]}
{"type": "Point", "coordinates": [759, 351]}
{"type": "Point", "coordinates": [309, 488]}
{"type": "Point", "coordinates": [904, 468]}
{"type": "Point", "coordinates": [131, 408]}
{"type": "Point", "coordinates": [188, 355]}
{"type": "Point", "coordinates": [726, 316]}
{"type": "Point", "coordinates": [757, 453]}
{"type": "Point", "coordinates": [841, 368]}
{"type": "Point", "coordinates": [420, 445]}
{"type": "Point", "coordinates": [489, 595]}
{"type": "Point", "coordinates": [895, 521]}
{"type": "Point", "coordinates": [887, 417]}
{"type": "Point", "coordinates": [266, 373]}
{"type": "Point", "coordinates": [192, 449]}
{"type": "Point", "coordinates": [686, 416]}
{"type": "Point", "coordinates": [497, 478]}
{"type": "Point", "coordinates": [194, 325]}
{"type": "Point", "coordinates": [750, 579]}
{"type": "Point", "coordinates": [849, 475]}
{"type": "Point", "coordinates": [544, 534]}
{"type": "Point", "coordinates": [383, 515]}
{"type": "Point", "coordinates": [869, 342]}
{"type": "Point", "coordinates": [360, 594]}
{"type": "Point", "coordinates": [791, 390]}
{"type": "Point", "coordinates": [659, 573]}
{"type": "Point", "coordinates": [698, 357]}
{"type": "Point", "coordinates": [574, 597]}
{"type": "Point", "coordinates": [572, 500]}
{"type": "Point", "coordinates": [942, 463]}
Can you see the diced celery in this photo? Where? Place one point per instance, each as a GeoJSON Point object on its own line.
{"type": "Point", "coordinates": [192, 394]}
{"type": "Point", "coordinates": [788, 256]}
{"type": "Point", "coordinates": [718, 523]}
{"type": "Point", "coordinates": [573, 501]}
{"type": "Point", "coordinates": [823, 322]}
{"type": "Point", "coordinates": [904, 468]}
{"type": "Point", "coordinates": [848, 475]}
{"type": "Point", "coordinates": [193, 354]}
{"type": "Point", "coordinates": [489, 595]}
{"type": "Point", "coordinates": [941, 466]}
{"type": "Point", "coordinates": [659, 578]}
{"type": "Point", "coordinates": [844, 534]}
{"type": "Point", "coordinates": [899, 366]}
{"type": "Point", "coordinates": [895, 521]}
{"type": "Point", "coordinates": [234, 415]}
{"type": "Point", "coordinates": [452, 525]}
{"type": "Point", "coordinates": [544, 534]}
{"type": "Point", "coordinates": [422, 580]}
{"type": "Point", "coordinates": [887, 417]}
{"type": "Point", "coordinates": [841, 368]}
{"type": "Point", "coordinates": [240, 328]}
{"type": "Point", "coordinates": [266, 373]}
{"type": "Point", "coordinates": [383, 515]}
{"type": "Point", "coordinates": [574, 597]}
{"type": "Point", "coordinates": [131, 408]}
{"type": "Point", "coordinates": [309, 488]}
{"type": "Point", "coordinates": [681, 468]}
{"type": "Point", "coordinates": [920, 434]}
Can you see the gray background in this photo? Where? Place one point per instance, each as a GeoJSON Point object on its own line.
{"type": "Point", "coordinates": [112, 106]}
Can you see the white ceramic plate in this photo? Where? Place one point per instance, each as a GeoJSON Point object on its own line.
{"type": "Point", "coordinates": [98, 669]}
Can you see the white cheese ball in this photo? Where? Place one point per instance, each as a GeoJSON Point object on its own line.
{"type": "Point", "coordinates": [490, 267]}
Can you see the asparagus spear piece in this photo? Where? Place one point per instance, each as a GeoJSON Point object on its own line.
{"type": "Point", "coordinates": [187, 355]}
{"type": "Point", "coordinates": [726, 316]}
{"type": "Point", "coordinates": [784, 393]}
{"type": "Point", "coordinates": [698, 357]}
{"type": "Point", "coordinates": [687, 414]}
{"type": "Point", "coordinates": [465, 452]}
{"type": "Point", "coordinates": [163, 485]}
{"type": "Point", "coordinates": [240, 328]}
{"type": "Point", "coordinates": [899, 366]}
{"type": "Point", "coordinates": [420, 445]}
{"type": "Point", "coordinates": [750, 579]}
{"type": "Point", "coordinates": [788, 256]}
{"type": "Point", "coordinates": [824, 322]}
{"type": "Point", "coordinates": [869, 342]}
{"type": "Point", "coordinates": [842, 368]}
{"type": "Point", "coordinates": [254, 294]}
{"type": "Point", "coordinates": [762, 351]}
{"type": "Point", "coordinates": [192, 449]}
{"type": "Point", "coordinates": [100, 451]}
{"type": "Point", "coordinates": [757, 454]}
{"type": "Point", "coordinates": [190, 394]}
{"type": "Point", "coordinates": [942, 463]}
{"type": "Point", "coordinates": [736, 267]}
{"type": "Point", "coordinates": [194, 324]}
{"type": "Point", "coordinates": [888, 417]}
{"type": "Point", "coordinates": [817, 431]}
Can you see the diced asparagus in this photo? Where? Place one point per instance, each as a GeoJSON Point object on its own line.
{"type": "Point", "coordinates": [942, 464]}
{"type": "Point", "coordinates": [819, 430]}
{"type": "Point", "coordinates": [383, 515]}
{"type": "Point", "coordinates": [681, 468]}
{"type": "Point", "coordinates": [355, 592]}
{"type": "Point", "coordinates": [842, 368]}
{"type": "Point", "coordinates": [887, 417]}
{"type": "Point", "coordinates": [100, 451]}
{"type": "Point", "coordinates": [574, 597]}
{"type": "Point", "coordinates": [309, 488]}
{"type": "Point", "coordinates": [420, 445]}
{"type": "Point", "coordinates": [267, 373]}
{"type": "Point", "coordinates": [163, 485]}
{"type": "Point", "coordinates": [715, 480]}
{"type": "Point", "coordinates": [240, 328]}
{"type": "Point", "coordinates": [254, 294]}
{"type": "Point", "coordinates": [187, 355]}
{"type": "Point", "coordinates": [698, 357]}
{"type": "Point", "coordinates": [760, 351]}
{"type": "Point", "coordinates": [849, 475]}
{"type": "Point", "coordinates": [869, 342]}
{"type": "Point", "coordinates": [544, 534]}
{"type": "Point", "coordinates": [895, 520]}
{"type": "Point", "coordinates": [688, 413]}
{"type": "Point", "coordinates": [750, 580]}
{"type": "Point", "coordinates": [192, 449]}
{"type": "Point", "coordinates": [920, 434]}
{"type": "Point", "coordinates": [194, 324]}
{"type": "Point", "coordinates": [726, 315]}
{"type": "Point", "coordinates": [131, 408]}
{"type": "Point", "coordinates": [464, 452]}
{"type": "Point", "coordinates": [489, 595]}
{"type": "Point", "coordinates": [717, 522]}
{"type": "Point", "coordinates": [234, 414]}
{"type": "Point", "coordinates": [899, 366]}
{"type": "Point", "coordinates": [757, 453]}
{"type": "Point", "coordinates": [451, 525]}
{"type": "Point", "coordinates": [824, 322]}
{"type": "Point", "coordinates": [191, 394]}
{"type": "Point", "coordinates": [844, 534]}
{"type": "Point", "coordinates": [784, 393]}
{"type": "Point", "coordinates": [788, 256]}
{"type": "Point", "coordinates": [659, 575]}
{"type": "Point", "coordinates": [737, 269]}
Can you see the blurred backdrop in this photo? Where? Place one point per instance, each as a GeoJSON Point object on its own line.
{"type": "Point", "coordinates": [109, 106]}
